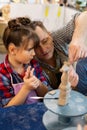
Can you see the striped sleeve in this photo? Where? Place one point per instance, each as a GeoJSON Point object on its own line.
{"type": "Point", "coordinates": [63, 36]}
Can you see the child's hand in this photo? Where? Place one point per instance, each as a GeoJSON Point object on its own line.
{"type": "Point", "coordinates": [30, 81]}
{"type": "Point", "coordinates": [73, 77]}
{"type": "Point", "coordinates": [79, 127]}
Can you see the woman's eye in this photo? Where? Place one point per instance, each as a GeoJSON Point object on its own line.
{"type": "Point", "coordinates": [45, 42]}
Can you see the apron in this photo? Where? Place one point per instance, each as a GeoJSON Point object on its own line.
{"type": "Point", "coordinates": [17, 88]}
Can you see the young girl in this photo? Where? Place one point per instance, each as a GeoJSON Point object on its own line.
{"type": "Point", "coordinates": [17, 75]}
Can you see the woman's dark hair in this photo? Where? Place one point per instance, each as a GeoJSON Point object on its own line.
{"type": "Point", "coordinates": [26, 22]}
{"type": "Point", "coordinates": [17, 34]}
{"type": "Point", "coordinates": [34, 24]}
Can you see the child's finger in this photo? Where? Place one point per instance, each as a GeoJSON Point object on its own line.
{"type": "Point", "coordinates": [32, 72]}
{"type": "Point", "coordinates": [85, 127]}
{"type": "Point", "coordinates": [79, 127]}
{"type": "Point", "coordinates": [27, 73]}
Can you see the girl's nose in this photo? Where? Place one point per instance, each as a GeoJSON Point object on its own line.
{"type": "Point", "coordinates": [33, 52]}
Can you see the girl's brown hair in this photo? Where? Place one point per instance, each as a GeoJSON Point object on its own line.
{"type": "Point", "coordinates": [17, 34]}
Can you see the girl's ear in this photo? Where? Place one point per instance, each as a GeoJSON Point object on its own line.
{"type": "Point", "coordinates": [12, 49]}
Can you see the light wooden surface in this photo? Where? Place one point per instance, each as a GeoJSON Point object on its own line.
{"type": "Point", "coordinates": [3, 25]}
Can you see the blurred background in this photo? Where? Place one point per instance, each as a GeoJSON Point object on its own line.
{"type": "Point", "coordinates": [53, 13]}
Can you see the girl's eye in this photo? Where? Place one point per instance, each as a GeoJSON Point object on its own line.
{"type": "Point", "coordinates": [30, 49]}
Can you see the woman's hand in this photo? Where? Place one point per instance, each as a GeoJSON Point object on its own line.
{"type": "Point", "coordinates": [77, 51]}
{"type": "Point", "coordinates": [73, 77]}
{"type": "Point", "coordinates": [78, 44]}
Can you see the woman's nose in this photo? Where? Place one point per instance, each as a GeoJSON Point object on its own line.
{"type": "Point", "coordinates": [42, 48]}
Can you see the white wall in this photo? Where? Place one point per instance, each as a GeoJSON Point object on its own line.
{"type": "Point", "coordinates": [69, 13]}
{"type": "Point", "coordinates": [52, 15]}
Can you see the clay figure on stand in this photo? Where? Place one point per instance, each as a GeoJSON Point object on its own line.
{"type": "Point", "coordinates": [65, 86]}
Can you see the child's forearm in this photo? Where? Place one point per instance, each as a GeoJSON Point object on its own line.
{"type": "Point", "coordinates": [19, 98]}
